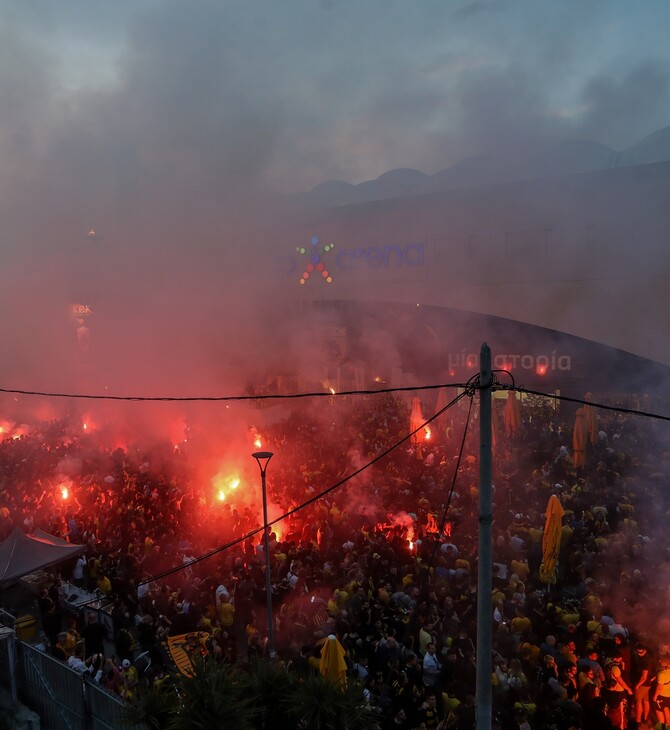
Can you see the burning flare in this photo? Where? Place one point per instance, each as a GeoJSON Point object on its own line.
{"type": "Point", "coordinates": [223, 484]}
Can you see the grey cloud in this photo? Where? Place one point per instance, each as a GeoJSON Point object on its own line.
{"type": "Point", "coordinates": [616, 106]}
{"type": "Point", "coordinates": [478, 7]}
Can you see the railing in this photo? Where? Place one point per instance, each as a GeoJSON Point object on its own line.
{"type": "Point", "coordinates": [62, 698]}
{"type": "Point", "coordinates": [7, 619]}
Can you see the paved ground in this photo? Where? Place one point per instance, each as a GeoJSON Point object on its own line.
{"type": "Point", "coordinates": [16, 718]}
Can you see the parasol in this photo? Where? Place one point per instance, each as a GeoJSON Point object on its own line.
{"type": "Point", "coordinates": [416, 420]}
{"type": "Point", "coordinates": [495, 428]}
{"type": "Point", "coordinates": [551, 540]}
{"type": "Point", "coordinates": [579, 439]}
{"type": "Point", "coordinates": [591, 416]}
{"type": "Point", "coordinates": [332, 664]}
{"type": "Point", "coordinates": [512, 414]}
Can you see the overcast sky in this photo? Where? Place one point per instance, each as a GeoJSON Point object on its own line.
{"type": "Point", "coordinates": [289, 94]}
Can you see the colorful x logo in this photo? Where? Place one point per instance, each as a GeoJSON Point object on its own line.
{"type": "Point", "coordinates": [315, 265]}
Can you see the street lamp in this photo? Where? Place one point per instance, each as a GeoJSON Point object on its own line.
{"type": "Point", "coordinates": [263, 458]}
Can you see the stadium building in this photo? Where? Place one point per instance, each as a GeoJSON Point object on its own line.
{"type": "Point", "coordinates": [564, 275]}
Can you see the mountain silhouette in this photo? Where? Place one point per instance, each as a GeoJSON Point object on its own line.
{"type": "Point", "coordinates": [568, 157]}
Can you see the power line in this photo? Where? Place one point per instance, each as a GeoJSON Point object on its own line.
{"type": "Point", "coordinates": [581, 401]}
{"type": "Point", "coordinates": [212, 398]}
{"type": "Point", "coordinates": [328, 394]}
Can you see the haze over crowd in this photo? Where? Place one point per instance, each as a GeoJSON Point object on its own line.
{"type": "Point", "coordinates": [143, 143]}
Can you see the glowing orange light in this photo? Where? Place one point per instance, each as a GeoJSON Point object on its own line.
{"type": "Point", "coordinates": [541, 369]}
{"type": "Point", "coordinates": [222, 484]}
{"type": "Point", "coordinates": [2, 429]}
{"type": "Point", "coordinates": [64, 492]}
{"type": "Point", "coordinates": [258, 443]}
{"type": "Point", "coordinates": [332, 391]}
{"type": "Point", "coordinates": [428, 433]}
{"type": "Point", "coordinates": [411, 545]}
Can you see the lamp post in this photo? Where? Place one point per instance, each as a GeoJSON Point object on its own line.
{"type": "Point", "coordinates": [263, 458]}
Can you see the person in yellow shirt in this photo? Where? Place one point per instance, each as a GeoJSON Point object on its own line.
{"type": "Point", "coordinates": [93, 566]}
{"type": "Point", "coordinates": [521, 624]}
{"type": "Point", "coordinates": [661, 697]}
{"type": "Point", "coordinates": [129, 680]}
{"type": "Point", "coordinates": [384, 594]}
{"type": "Point", "coordinates": [72, 637]}
{"type": "Point", "coordinates": [530, 653]}
{"type": "Point", "coordinates": [335, 514]}
{"type": "Point", "coordinates": [226, 612]}
{"type": "Point", "coordinates": [148, 544]}
{"type": "Point", "coordinates": [104, 584]}
{"type": "Point", "coordinates": [521, 569]}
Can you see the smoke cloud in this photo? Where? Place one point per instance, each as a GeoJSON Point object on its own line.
{"type": "Point", "coordinates": [145, 149]}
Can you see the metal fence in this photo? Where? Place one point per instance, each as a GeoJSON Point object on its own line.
{"type": "Point", "coordinates": [107, 712]}
{"type": "Point", "coordinates": [60, 696]}
{"type": "Point", "coordinates": [54, 691]}
{"type": "Point", "coordinates": [6, 618]}
{"type": "Point", "coordinates": [7, 663]}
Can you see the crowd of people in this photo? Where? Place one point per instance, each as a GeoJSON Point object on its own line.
{"type": "Point", "coordinates": [385, 561]}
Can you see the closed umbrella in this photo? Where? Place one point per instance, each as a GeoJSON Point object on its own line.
{"type": "Point", "coordinates": [332, 664]}
{"type": "Point", "coordinates": [512, 414]}
{"type": "Point", "coordinates": [416, 420]}
{"type": "Point", "coordinates": [579, 439]}
{"type": "Point", "coordinates": [591, 416]}
{"type": "Point", "coordinates": [495, 428]}
{"type": "Point", "coordinates": [551, 540]}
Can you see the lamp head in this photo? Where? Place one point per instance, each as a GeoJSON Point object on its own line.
{"type": "Point", "coordinates": [263, 457]}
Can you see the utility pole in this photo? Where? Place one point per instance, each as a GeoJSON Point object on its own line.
{"type": "Point", "coordinates": [485, 552]}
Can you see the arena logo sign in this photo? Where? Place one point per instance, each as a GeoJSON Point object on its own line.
{"type": "Point", "coordinates": [377, 257]}
{"type": "Point", "coordinates": [319, 261]}
{"type": "Point", "coordinates": [539, 363]}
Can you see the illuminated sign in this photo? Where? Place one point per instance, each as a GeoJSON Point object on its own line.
{"type": "Point", "coordinates": [315, 267]}
{"type": "Point", "coordinates": [351, 259]}
{"type": "Point", "coordinates": [378, 257]}
{"type": "Point", "coordinates": [540, 363]}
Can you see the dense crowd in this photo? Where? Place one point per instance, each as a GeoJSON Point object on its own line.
{"type": "Point", "coordinates": [387, 562]}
